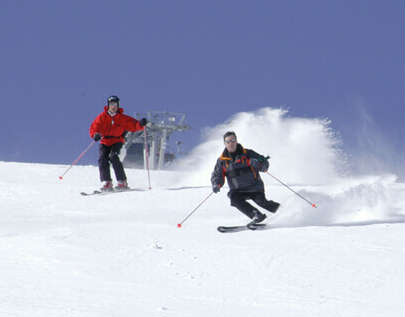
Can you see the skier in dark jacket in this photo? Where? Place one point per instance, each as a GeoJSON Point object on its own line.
{"type": "Point", "coordinates": [241, 168]}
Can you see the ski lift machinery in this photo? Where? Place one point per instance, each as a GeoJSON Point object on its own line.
{"type": "Point", "coordinates": [160, 128]}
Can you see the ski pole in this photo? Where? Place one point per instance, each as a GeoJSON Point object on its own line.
{"type": "Point", "coordinates": [78, 158]}
{"type": "Point", "coordinates": [309, 202]}
{"type": "Point", "coordinates": [147, 155]}
{"type": "Point", "coordinates": [189, 215]}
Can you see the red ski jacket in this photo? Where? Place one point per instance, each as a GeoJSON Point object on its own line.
{"type": "Point", "coordinates": [112, 128]}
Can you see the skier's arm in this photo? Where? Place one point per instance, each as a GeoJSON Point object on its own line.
{"type": "Point", "coordinates": [259, 161]}
{"type": "Point", "coordinates": [131, 124]}
{"type": "Point", "coordinates": [217, 176]}
{"type": "Point", "coordinates": [95, 127]}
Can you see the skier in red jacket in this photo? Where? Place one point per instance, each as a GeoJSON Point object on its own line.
{"type": "Point", "coordinates": [110, 127]}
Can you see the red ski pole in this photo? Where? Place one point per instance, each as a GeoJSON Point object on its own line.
{"type": "Point", "coordinates": [78, 159]}
{"type": "Point", "coordinates": [189, 215]}
{"type": "Point", "coordinates": [309, 202]}
{"type": "Point", "coordinates": [147, 155]}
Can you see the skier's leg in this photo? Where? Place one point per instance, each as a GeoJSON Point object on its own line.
{"type": "Point", "coordinates": [116, 163]}
{"type": "Point", "coordinates": [103, 163]}
{"type": "Point", "coordinates": [260, 199]}
{"type": "Point", "coordinates": [238, 200]}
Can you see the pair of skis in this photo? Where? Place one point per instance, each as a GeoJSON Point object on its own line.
{"type": "Point", "coordinates": [114, 191]}
{"type": "Point", "coordinates": [255, 226]}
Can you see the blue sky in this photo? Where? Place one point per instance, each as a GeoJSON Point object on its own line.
{"type": "Point", "coordinates": [210, 59]}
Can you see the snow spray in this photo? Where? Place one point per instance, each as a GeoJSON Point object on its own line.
{"type": "Point", "coordinates": [309, 155]}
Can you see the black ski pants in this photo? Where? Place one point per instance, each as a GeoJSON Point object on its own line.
{"type": "Point", "coordinates": [109, 154]}
{"type": "Point", "coordinates": [238, 200]}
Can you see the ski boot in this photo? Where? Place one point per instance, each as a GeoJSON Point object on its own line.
{"type": "Point", "coordinates": [273, 206]}
{"type": "Point", "coordinates": [122, 185]}
{"type": "Point", "coordinates": [107, 186]}
{"type": "Point", "coordinates": [256, 220]}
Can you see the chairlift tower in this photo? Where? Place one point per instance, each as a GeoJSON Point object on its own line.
{"type": "Point", "coordinates": [159, 129]}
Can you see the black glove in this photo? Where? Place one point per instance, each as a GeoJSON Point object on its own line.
{"type": "Point", "coordinates": [143, 122]}
{"type": "Point", "coordinates": [256, 164]}
{"type": "Point", "coordinates": [216, 188]}
{"type": "Point", "coordinates": [97, 136]}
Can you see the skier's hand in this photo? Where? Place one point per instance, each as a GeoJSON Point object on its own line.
{"type": "Point", "coordinates": [255, 163]}
{"type": "Point", "coordinates": [216, 188]}
{"type": "Point", "coordinates": [265, 165]}
{"type": "Point", "coordinates": [97, 137]}
{"type": "Point", "coordinates": [143, 122]}
{"type": "Point", "coordinates": [259, 165]}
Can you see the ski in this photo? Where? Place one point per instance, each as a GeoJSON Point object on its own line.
{"type": "Point", "coordinates": [225, 229]}
{"type": "Point", "coordinates": [115, 191]}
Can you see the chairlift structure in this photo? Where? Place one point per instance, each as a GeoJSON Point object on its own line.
{"type": "Point", "coordinates": [160, 127]}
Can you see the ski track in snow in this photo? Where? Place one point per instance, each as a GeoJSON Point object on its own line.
{"type": "Point", "coordinates": [122, 255]}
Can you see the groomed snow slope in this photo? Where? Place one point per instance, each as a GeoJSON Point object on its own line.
{"type": "Point", "coordinates": [62, 254]}
{"type": "Point", "coordinates": [122, 255]}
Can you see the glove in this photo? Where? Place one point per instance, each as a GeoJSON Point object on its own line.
{"type": "Point", "coordinates": [97, 137]}
{"type": "Point", "coordinates": [255, 163]}
{"type": "Point", "coordinates": [216, 188]}
{"type": "Point", "coordinates": [143, 122]}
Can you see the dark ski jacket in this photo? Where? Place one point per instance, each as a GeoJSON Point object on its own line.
{"type": "Point", "coordinates": [241, 170]}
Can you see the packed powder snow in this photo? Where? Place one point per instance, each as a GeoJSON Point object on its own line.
{"type": "Point", "coordinates": [63, 254]}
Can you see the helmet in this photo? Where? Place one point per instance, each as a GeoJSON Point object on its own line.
{"type": "Point", "coordinates": [113, 99]}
